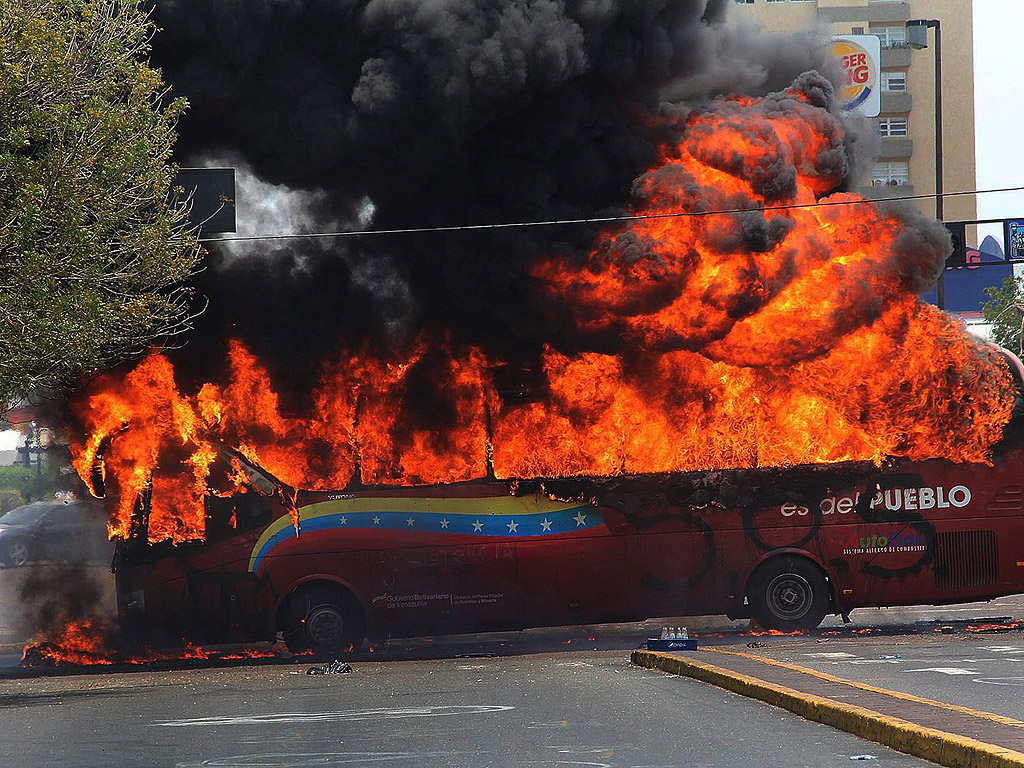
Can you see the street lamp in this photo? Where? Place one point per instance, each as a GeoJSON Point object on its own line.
{"type": "Point", "coordinates": [917, 38]}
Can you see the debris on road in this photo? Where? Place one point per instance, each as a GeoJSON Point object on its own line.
{"type": "Point", "coordinates": [336, 667]}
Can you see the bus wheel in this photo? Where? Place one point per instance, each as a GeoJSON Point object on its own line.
{"type": "Point", "coordinates": [789, 593]}
{"type": "Point", "coordinates": [324, 619]}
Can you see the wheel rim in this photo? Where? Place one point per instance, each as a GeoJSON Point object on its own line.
{"type": "Point", "coordinates": [18, 554]}
{"type": "Point", "coordinates": [790, 596]}
{"type": "Point", "coordinates": [325, 626]}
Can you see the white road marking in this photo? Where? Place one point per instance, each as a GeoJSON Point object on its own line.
{"type": "Point", "coordinates": [302, 759]}
{"type": "Point", "coordinates": [946, 670]}
{"type": "Point", "coordinates": [1014, 681]}
{"type": "Point", "coordinates": [1005, 648]}
{"type": "Point", "coordinates": [328, 717]}
{"type": "Point", "coordinates": [605, 752]}
{"type": "Point", "coordinates": [836, 655]}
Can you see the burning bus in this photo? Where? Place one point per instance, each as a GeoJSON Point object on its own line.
{"type": "Point", "coordinates": [786, 547]}
{"type": "Point", "coordinates": [742, 407]}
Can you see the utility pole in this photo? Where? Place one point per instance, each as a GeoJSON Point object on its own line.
{"type": "Point", "coordinates": [917, 38]}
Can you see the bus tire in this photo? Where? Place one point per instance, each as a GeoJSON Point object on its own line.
{"type": "Point", "coordinates": [323, 618]}
{"type": "Point", "coordinates": [789, 593]}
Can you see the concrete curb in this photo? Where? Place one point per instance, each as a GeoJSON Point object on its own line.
{"type": "Point", "coordinates": [929, 744]}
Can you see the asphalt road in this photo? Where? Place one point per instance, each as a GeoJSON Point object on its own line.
{"type": "Point", "coordinates": [568, 708]}
{"type": "Point", "coordinates": [978, 670]}
{"type": "Point", "coordinates": [542, 697]}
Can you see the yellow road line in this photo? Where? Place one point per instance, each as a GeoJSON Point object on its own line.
{"type": "Point", "coordinates": [940, 747]}
{"type": "Point", "coordinates": [1001, 719]}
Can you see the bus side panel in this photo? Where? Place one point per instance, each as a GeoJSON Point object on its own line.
{"type": "Point", "coordinates": [451, 588]}
{"type": "Point", "coordinates": [485, 592]}
{"type": "Point", "coordinates": [573, 579]}
{"type": "Point", "coordinates": [957, 560]}
{"type": "Point", "coordinates": [684, 564]}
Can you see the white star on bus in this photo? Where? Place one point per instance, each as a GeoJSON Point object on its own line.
{"type": "Point", "coordinates": [580, 519]}
{"type": "Point", "coordinates": [545, 524]}
{"type": "Point", "coordinates": [409, 521]}
{"type": "Point", "coordinates": [513, 527]}
{"type": "Point", "coordinates": [343, 520]}
{"type": "Point", "coordinates": [444, 523]}
{"type": "Point", "coordinates": [376, 520]}
{"type": "Point", "coordinates": [477, 526]}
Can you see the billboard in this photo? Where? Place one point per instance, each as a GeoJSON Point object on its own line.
{"type": "Point", "coordinates": [859, 57]}
{"type": "Point", "coordinates": [965, 284]}
{"type": "Point", "coordinates": [1013, 236]}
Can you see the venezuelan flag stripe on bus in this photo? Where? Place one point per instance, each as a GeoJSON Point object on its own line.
{"type": "Point", "coordinates": [510, 516]}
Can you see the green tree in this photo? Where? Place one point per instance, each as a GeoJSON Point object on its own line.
{"type": "Point", "coordinates": [94, 247]}
{"type": "Point", "coordinates": [1006, 313]}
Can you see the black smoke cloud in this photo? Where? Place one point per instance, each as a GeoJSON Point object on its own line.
{"type": "Point", "coordinates": [434, 112]}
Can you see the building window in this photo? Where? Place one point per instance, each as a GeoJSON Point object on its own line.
{"type": "Point", "coordinates": [892, 127]}
{"type": "Point", "coordinates": [894, 81]}
{"type": "Point", "coordinates": [893, 36]}
{"type": "Point", "coordinates": [776, 1]}
{"type": "Point", "coordinates": [895, 174]}
{"type": "Point", "coordinates": [744, 2]}
{"type": "Point", "coordinates": [858, 31]}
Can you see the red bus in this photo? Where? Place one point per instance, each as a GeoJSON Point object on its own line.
{"type": "Point", "coordinates": [784, 546]}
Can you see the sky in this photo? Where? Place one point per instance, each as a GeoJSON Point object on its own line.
{"type": "Point", "coordinates": [999, 105]}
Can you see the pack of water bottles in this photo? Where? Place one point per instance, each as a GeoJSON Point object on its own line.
{"type": "Point", "coordinates": [672, 639]}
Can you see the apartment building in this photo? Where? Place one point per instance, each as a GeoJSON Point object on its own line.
{"type": "Point", "coordinates": [906, 123]}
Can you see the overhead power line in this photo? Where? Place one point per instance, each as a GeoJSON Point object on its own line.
{"type": "Point", "coordinates": [595, 220]}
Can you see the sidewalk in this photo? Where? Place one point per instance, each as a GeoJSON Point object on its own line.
{"type": "Point", "coordinates": [944, 733]}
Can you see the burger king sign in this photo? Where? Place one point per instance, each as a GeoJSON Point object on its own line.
{"type": "Point", "coordinates": [858, 57]}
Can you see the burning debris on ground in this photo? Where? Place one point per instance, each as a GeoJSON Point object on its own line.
{"type": "Point", "coordinates": [62, 612]}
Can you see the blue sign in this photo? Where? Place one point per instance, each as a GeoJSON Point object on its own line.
{"type": "Point", "coordinates": [965, 286]}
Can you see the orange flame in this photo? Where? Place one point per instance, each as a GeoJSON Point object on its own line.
{"type": "Point", "coordinates": [1006, 627]}
{"type": "Point", "coordinates": [768, 337]}
{"type": "Point", "coordinates": [90, 642]}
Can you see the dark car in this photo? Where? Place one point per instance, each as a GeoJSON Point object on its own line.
{"type": "Point", "coordinates": [72, 531]}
